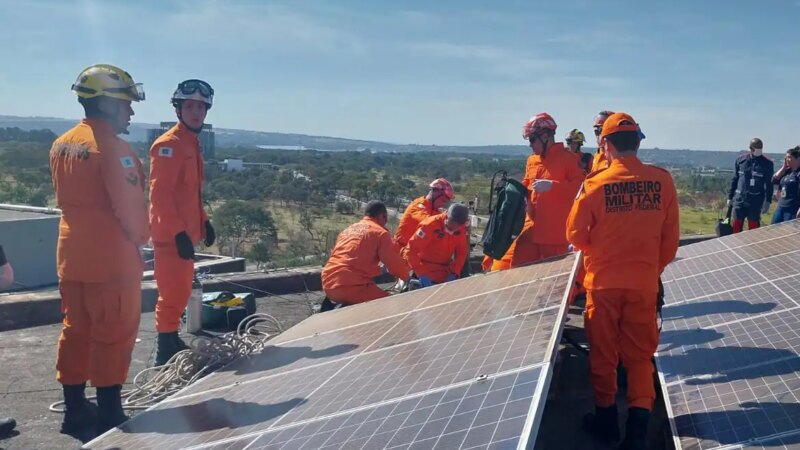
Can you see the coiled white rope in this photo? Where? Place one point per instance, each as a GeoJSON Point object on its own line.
{"type": "Point", "coordinates": [206, 355]}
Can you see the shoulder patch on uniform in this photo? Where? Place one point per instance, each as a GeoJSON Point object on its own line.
{"type": "Point", "coordinates": [165, 152]}
{"type": "Point", "coordinates": [127, 162]}
{"type": "Point", "coordinates": [420, 233]}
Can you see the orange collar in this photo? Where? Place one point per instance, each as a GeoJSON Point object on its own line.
{"type": "Point", "coordinates": [370, 219]}
{"type": "Point", "coordinates": [627, 161]}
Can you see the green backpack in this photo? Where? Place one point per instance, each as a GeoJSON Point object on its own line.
{"type": "Point", "coordinates": [507, 216]}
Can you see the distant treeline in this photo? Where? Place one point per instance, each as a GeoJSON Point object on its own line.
{"type": "Point", "coordinates": [19, 135]}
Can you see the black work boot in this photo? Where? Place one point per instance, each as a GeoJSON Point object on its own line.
{"type": "Point", "coordinates": [179, 343]}
{"type": "Point", "coordinates": [80, 415]}
{"type": "Point", "coordinates": [168, 345]}
{"type": "Point", "coordinates": [109, 406]}
{"type": "Point", "coordinates": [603, 424]}
{"type": "Point", "coordinates": [636, 429]}
{"type": "Point", "coordinates": [7, 425]}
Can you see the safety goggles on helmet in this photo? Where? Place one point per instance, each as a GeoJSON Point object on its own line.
{"type": "Point", "coordinates": [194, 90]}
{"type": "Point", "coordinates": [189, 87]}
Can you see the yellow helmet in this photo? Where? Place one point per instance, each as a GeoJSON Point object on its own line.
{"type": "Point", "coordinates": [107, 80]}
{"type": "Point", "coordinates": [575, 136]}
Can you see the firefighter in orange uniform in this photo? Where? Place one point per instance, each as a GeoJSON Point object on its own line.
{"type": "Point", "coordinates": [354, 262]}
{"type": "Point", "coordinates": [177, 218]}
{"type": "Point", "coordinates": [421, 208]}
{"type": "Point", "coordinates": [625, 221]}
{"type": "Point", "coordinates": [553, 175]}
{"type": "Point", "coordinates": [436, 253]}
{"type": "Point", "coordinates": [600, 161]}
{"type": "Point", "coordinates": [99, 187]}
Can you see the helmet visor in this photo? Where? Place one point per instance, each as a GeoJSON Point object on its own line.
{"type": "Point", "coordinates": [134, 91]}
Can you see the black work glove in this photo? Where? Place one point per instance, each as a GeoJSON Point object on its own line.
{"type": "Point", "coordinates": [211, 236]}
{"type": "Point", "coordinates": [3, 260]}
{"type": "Point", "coordinates": [184, 244]}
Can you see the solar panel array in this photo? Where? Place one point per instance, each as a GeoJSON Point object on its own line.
{"type": "Point", "coordinates": [460, 365]}
{"type": "Point", "coordinates": [728, 358]}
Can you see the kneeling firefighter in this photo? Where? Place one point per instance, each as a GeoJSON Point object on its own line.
{"type": "Point", "coordinates": [437, 251]}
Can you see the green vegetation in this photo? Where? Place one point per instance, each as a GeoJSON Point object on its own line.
{"type": "Point", "coordinates": [289, 211]}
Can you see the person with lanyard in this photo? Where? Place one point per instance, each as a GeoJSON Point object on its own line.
{"type": "Point", "coordinates": [788, 180]}
{"type": "Point", "coordinates": [750, 193]}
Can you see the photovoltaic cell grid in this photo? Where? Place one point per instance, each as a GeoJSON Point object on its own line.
{"type": "Point", "coordinates": [728, 356]}
{"type": "Point", "coordinates": [465, 362]}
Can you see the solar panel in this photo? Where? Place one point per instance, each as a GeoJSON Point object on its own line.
{"type": "Point", "coordinates": [728, 356]}
{"type": "Point", "coordinates": [465, 364]}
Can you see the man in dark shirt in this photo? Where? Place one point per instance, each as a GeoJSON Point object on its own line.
{"type": "Point", "coordinates": [788, 181]}
{"type": "Point", "coordinates": [750, 193]}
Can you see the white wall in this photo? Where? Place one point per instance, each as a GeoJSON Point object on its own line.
{"type": "Point", "coordinates": [30, 245]}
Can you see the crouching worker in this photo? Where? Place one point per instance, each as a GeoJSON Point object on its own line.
{"type": "Point", "coordinates": [436, 252]}
{"type": "Point", "coordinates": [347, 276]}
{"type": "Point", "coordinates": [625, 220]}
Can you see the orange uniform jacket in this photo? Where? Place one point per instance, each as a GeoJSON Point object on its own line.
{"type": "Point", "coordinates": [419, 210]}
{"type": "Point", "coordinates": [176, 179]}
{"type": "Point", "coordinates": [355, 257]}
{"type": "Point", "coordinates": [599, 161]}
{"type": "Point", "coordinates": [99, 187]}
{"type": "Point", "coordinates": [433, 252]}
{"type": "Point", "coordinates": [625, 220]}
{"type": "Point", "coordinates": [552, 208]}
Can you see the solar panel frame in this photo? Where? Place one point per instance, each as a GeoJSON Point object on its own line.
{"type": "Point", "coordinates": [484, 311]}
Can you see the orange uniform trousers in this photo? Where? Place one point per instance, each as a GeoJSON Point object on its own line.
{"type": "Point", "coordinates": [99, 331]}
{"type": "Point", "coordinates": [526, 251]}
{"type": "Point", "coordinates": [174, 276]}
{"type": "Point", "coordinates": [621, 323]}
{"type": "Point", "coordinates": [351, 295]}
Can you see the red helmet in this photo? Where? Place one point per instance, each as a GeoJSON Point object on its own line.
{"type": "Point", "coordinates": [541, 121]}
{"type": "Point", "coordinates": [444, 186]}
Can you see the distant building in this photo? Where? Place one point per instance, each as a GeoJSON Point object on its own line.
{"type": "Point", "coordinates": [238, 165]}
{"type": "Point", "coordinates": [233, 165]}
{"type": "Point", "coordinates": [29, 236]}
{"type": "Point", "coordinates": [282, 147]}
{"type": "Point", "coordinates": [207, 141]}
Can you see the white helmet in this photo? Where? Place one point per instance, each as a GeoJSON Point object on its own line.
{"type": "Point", "coordinates": [193, 90]}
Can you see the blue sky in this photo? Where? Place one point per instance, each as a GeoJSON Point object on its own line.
{"type": "Point", "coordinates": [705, 74]}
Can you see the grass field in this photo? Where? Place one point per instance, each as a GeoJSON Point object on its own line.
{"type": "Point", "coordinates": [704, 220]}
